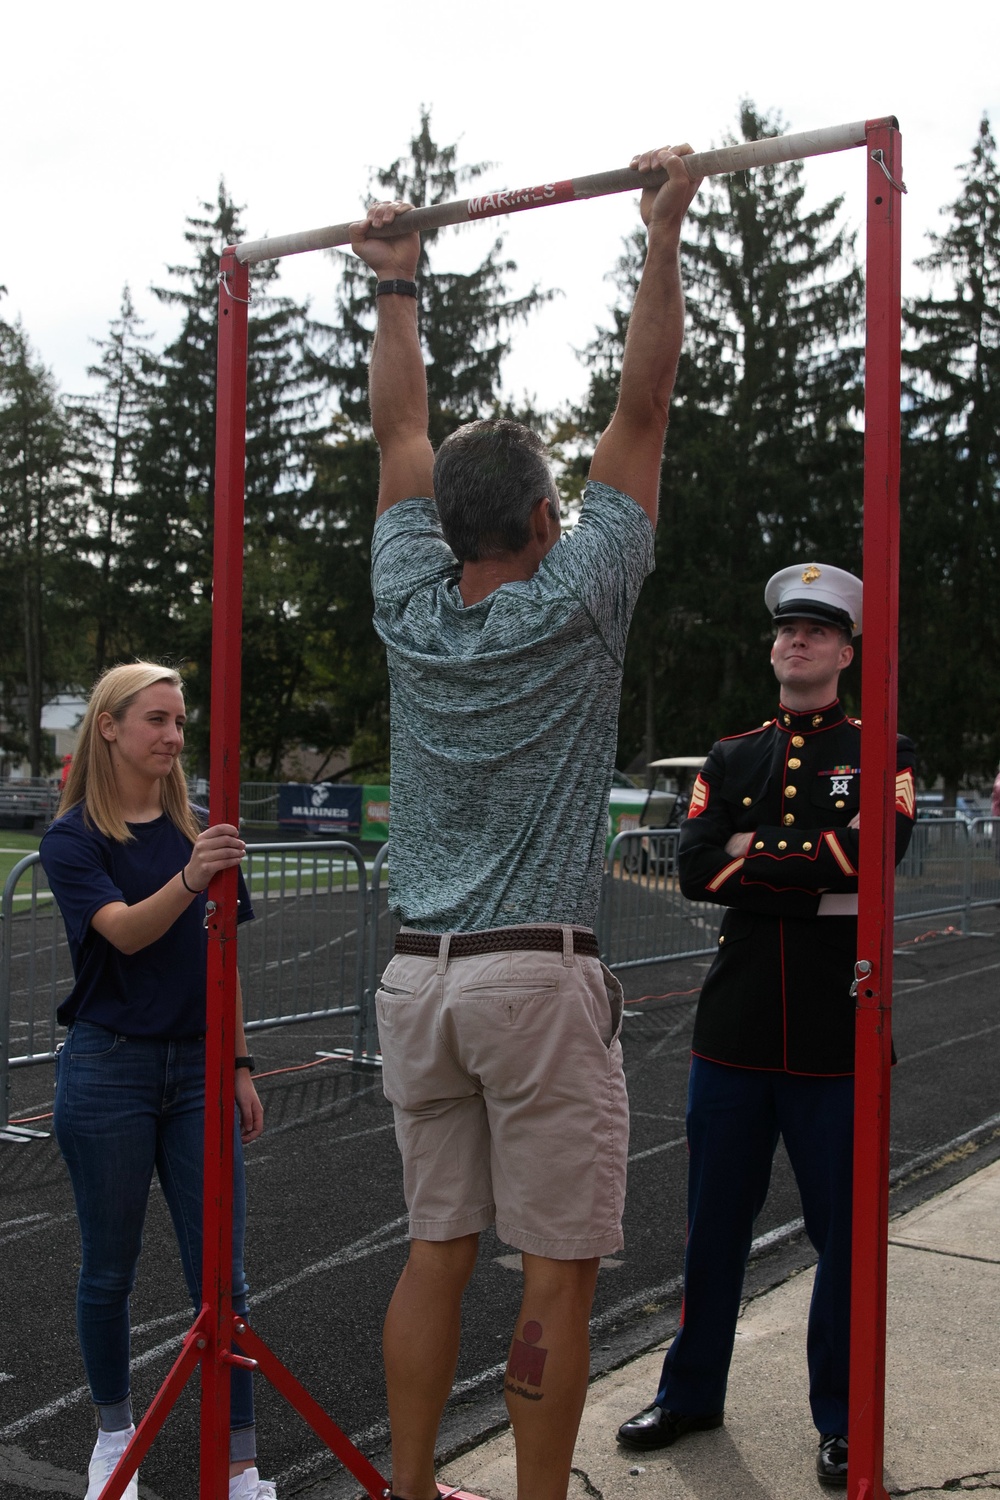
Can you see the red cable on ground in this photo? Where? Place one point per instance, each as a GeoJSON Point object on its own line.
{"type": "Point", "coordinates": [670, 995]}
{"type": "Point", "coordinates": [943, 932]}
{"type": "Point", "coordinates": [317, 1062]}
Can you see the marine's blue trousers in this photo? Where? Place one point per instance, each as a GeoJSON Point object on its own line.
{"type": "Point", "coordinates": [735, 1117]}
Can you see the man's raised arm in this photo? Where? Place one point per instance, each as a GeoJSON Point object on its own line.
{"type": "Point", "coordinates": [630, 450]}
{"type": "Point", "coordinates": [397, 380]}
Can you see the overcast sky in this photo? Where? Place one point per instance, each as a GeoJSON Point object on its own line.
{"type": "Point", "coordinates": [118, 119]}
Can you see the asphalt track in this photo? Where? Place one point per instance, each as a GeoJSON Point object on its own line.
{"type": "Point", "coordinates": [327, 1229]}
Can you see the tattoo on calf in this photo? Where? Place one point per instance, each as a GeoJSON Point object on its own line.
{"type": "Point", "coordinates": [526, 1363]}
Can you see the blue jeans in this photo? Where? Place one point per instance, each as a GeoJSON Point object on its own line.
{"type": "Point", "coordinates": [124, 1106]}
{"type": "Point", "coordinates": [735, 1117]}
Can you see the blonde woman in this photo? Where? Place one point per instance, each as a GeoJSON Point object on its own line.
{"type": "Point", "coordinates": [128, 863]}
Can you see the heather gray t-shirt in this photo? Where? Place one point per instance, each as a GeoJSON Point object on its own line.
{"type": "Point", "coordinates": [504, 717]}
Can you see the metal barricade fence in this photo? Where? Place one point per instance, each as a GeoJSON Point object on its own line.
{"type": "Point", "coordinates": [302, 959]}
{"type": "Point", "coordinates": [306, 956]}
{"type": "Point", "coordinates": [259, 803]}
{"type": "Point", "coordinates": [951, 867]}
{"type": "Point", "coordinates": [34, 970]}
{"type": "Point", "coordinates": [984, 862]}
{"type": "Point", "coordinates": [324, 934]}
{"type": "Point", "coordinates": [27, 800]}
{"type": "Point", "coordinates": [643, 918]}
{"type": "Point", "coordinates": [258, 800]}
{"type": "Point", "coordinates": [932, 879]}
{"type": "Point", "coordinates": [382, 929]}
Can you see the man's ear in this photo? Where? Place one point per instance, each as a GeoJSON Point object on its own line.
{"type": "Point", "coordinates": [540, 519]}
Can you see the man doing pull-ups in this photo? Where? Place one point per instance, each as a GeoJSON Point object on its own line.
{"type": "Point", "coordinates": [498, 1024]}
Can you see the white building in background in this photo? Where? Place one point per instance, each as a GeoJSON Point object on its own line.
{"type": "Point", "coordinates": [61, 719]}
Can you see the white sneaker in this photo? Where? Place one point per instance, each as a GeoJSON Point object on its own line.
{"type": "Point", "coordinates": [250, 1486]}
{"type": "Point", "coordinates": [103, 1461]}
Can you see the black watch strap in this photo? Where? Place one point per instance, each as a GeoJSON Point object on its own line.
{"type": "Point", "coordinates": [396, 288]}
{"type": "Point", "coordinates": [245, 1062]}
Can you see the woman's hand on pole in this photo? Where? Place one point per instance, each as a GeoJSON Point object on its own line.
{"type": "Point", "coordinates": [218, 848]}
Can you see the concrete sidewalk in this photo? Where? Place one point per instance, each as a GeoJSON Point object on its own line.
{"type": "Point", "coordinates": [942, 1386]}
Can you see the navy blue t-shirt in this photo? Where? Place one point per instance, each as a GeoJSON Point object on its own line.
{"type": "Point", "coordinates": [159, 991]}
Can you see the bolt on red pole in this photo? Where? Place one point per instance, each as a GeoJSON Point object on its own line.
{"type": "Point", "coordinates": [876, 887]}
{"type": "Point", "coordinates": [224, 771]}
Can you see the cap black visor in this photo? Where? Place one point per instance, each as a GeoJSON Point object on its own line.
{"type": "Point", "coordinates": [812, 609]}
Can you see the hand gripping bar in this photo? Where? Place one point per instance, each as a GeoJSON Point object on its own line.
{"type": "Point", "coordinates": [766, 152]}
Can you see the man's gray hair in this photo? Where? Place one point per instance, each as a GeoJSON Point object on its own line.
{"type": "Point", "coordinates": [488, 476]}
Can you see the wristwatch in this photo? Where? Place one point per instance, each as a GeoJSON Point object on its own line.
{"type": "Point", "coordinates": [245, 1062]}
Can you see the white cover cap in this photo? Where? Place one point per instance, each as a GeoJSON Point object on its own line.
{"type": "Point", "coordinates": [815, 591]}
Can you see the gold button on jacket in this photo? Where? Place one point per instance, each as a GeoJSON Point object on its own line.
{"type": "Point", "coordinates": [777, 994]}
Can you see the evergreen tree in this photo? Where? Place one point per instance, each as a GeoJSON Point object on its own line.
{"type": "Point", "coordinates": [112, 421]}
{"type": "Point", "coordinates": [462, 316]}
{"type": "Point", "coordinates": [347, 707]}
{"type": "Point", "coordinates": [763, 457]}
{"type": "Point", "coordinates": [950, 540]}
{"type": "Point", "coordinates": [175, 474]}
{"type": "Point", "coordinates": [40, 545]}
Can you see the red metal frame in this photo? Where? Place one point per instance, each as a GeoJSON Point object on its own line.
{"type": "Point", "coordinates": [210, 1341]}
{"type": "Point", "coordinates": [224, 807]}
{"type": "Point", "coordinates": [876, 886]}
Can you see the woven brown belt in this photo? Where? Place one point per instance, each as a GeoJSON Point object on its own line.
{"type": "Point", "coordinates": [496, 940]}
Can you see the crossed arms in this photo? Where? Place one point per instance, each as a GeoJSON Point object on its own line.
{"type": "Point", "coordinates": [780, 872]}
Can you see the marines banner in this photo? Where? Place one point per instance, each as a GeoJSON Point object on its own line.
{"type": "Point", "coordinates": [327, 807]}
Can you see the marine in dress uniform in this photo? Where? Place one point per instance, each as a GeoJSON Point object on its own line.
{"type": "Point", "coordinates": [772, 834]}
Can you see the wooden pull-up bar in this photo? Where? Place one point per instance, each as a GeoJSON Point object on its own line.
{"type": "Point", "coordinates": [766, 152]}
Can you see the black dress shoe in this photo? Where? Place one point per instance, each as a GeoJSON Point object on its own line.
{"type": "Point", "coordinates": [656, 1428]}
{"type": "Point", "coordinates": [831, 1460]}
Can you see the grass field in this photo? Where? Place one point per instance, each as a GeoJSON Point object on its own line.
{"type": "Point", "coordinates": [287, 873]}
{"type": "Point", "coordinates": [13, 847]}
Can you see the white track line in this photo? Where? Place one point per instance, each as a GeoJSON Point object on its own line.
{"type": "Point", "coordinates": [382, 1238]}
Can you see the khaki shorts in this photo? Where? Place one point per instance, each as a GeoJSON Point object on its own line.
{"type": "Point", "coordinates": [505, 1074]}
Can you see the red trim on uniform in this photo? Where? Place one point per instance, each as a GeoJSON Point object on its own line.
{"type": "Point", "coordinates": [721, 1062]}
{"type": "Point", "coordinates": [779, 854]}
{"type": "Point", "coordinates": [808, 713]}
{"type": "Point", "coordinates": [838, 854]}
{"type": "Point", "coordinates": [779, 890]}
{"type": "Point", "coordinates": [906, 802]}
{"type": "Point", "coordinates": [724, 874]}
{"type": "Point", "coordinates": [784, 1001]}
{"type": "Point", "coordinates": [699, 796]}
{"type": "Point", "coordinates": [745, 735]}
